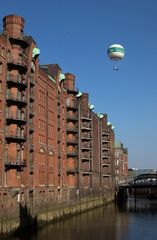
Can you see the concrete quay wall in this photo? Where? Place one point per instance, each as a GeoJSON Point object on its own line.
{"type": "Point", "coordinates": [59, 212]}
{"type": "Point", "coordinates": [26, 214]}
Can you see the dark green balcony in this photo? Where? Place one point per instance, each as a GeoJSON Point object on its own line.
{"type": "Point", "coordinates": [72, 154]}
{"type": "Point", "coordinates": [18, 100]}
{"type": "Point", "coordinates": [86, 172]}
{"type": "Point", "coordinates": [32, 82]}
{"type": "Point", "coordinates": [32, 97]}
{"type": "Point", "coordinates": [72, 91]}
{"type": "Point", "coordinates": [71, 106]}
{"type": "Point", "coordinates": [72, 170]}
{"type": "Point", "coordinates": [16, 81]}
{"type": "Point", "coordinates": [87, 119]}
{"type": "Point", "coordinates": [19, 40]}
{"type": "Point", "coordinates": [17, 164]}
{"type": "Point", "coordinates": [86, 158]}
{"type": "Point", "coordinates": [15, 137]}
{"type": "Point", "coordinates": [71, 142]}
{"type": "Point", "coordinates": [86, 128]}
{"type": "Point", "coordinates": [17, 62]}
{"type": "Point", "coordinates": [71, 118]}
{"type": "Point", "coordinates": [72, 129]}
{"type": "Point", "coordinates": [17, 118]}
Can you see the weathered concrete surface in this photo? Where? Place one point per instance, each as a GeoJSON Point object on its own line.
{"type": "Point", "coordinates": [24, 216]}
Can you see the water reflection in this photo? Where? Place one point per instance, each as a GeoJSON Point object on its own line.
{"type": "Point", "coordinates": [129, 221]}
{"type": "Point", "coordinates": [90, 225]}
{"type": "Point", "coordinates": [138, 205]}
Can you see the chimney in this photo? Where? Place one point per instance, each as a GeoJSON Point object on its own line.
{"type": "Point", "coordinates": [13, 25]}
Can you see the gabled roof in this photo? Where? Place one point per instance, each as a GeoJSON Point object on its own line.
{"type": "Point", "coordinates": [51, 69]}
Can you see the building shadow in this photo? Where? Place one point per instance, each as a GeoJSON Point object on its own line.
{"type": "Point", "coordinates": [27, 222]}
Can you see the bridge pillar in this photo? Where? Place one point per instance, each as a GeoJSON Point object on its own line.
{"type": "Point", "coordinates": [122, 194]}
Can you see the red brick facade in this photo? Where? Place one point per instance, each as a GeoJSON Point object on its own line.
{"type": "Point", "coordinates": [121, 161]}
{"type": "Point", "coordinates": [49, 135]}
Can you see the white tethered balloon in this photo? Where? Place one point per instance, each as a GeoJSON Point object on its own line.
{"type": "Point", "coordinates": [116, 52]}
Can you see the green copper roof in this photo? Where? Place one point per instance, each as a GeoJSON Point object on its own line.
{"type": "Point", "coordinates": [36, 52]}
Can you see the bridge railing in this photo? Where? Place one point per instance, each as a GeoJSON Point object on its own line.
{"type": "Point", "coordinates": [143, 179]}
{"type": "Point", "coordinates": [124, 180]}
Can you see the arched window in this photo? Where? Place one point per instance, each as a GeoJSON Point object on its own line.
{"type": "Point", "coordinates": [42, 150]}
{"type": "Point", "coordinates": [51, 153]}
{"type": "Point", "coordinates": [32, 67]}
{"type": "Point", "coordinates": [32, 76]}
{"type": "Point", "coordinates": [3, 51]}
{"type": "Point", "coordinates": [51, 158]}
{"type": "Point", "coordinates": [42, 156]}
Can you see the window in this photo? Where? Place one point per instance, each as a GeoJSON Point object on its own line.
{"type": "Point", "coordinates": [2, 52]}
{"type": "Point", "coordinates": [51, 158]}
{"type": "Point", "coordinates": [0, 105]}
{"type": "Point", "coordinates": [32, 68]}
{"type": "Point", "coordinates": [1, 67]}
{"type": "Point", "coordinates": [51, 178]}
{"type": "Point", "coordinates": [42, 150]}
{"type": "Point", "coordinates": [42, 156]}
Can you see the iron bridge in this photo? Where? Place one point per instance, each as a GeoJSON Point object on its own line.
{"type": "Point", "coordinates": [141, 181]}
{"type": "Point", "coordinates": [144, 185]}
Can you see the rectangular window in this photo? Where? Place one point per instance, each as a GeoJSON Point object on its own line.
{"type": "Point", "coordinates": [51, 178]}
{"type": "Point", "coordinates": [0, 124]}
{"type": "Point", "coordinates": [2, 53]}
{"type": "Point", "coordinates": [0, 105]}
{"type": "Point", "coordinates": [51, 160]}
{"type": "Point", "coordinates": [1, 67]}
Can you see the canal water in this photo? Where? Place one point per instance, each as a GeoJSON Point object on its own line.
{"type": "Point", "coordinates": [130, 221]}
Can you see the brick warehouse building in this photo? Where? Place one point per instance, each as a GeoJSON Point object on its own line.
{"type": "Point", "coordinates": [52, 144]}
{"type": "Point", "coordinates": [121, 161]}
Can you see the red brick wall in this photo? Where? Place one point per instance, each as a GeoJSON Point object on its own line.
{"type": "Point", "coordinates": [96, 141]}
{"type": "Point", "coordinates": [55, 157]}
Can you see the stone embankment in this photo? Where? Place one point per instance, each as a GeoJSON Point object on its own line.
{"type": "Point", "coordinates": [16, 214]}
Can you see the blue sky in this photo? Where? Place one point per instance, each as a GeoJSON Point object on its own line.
{"type": "Point", "coordinates": [76, 35]}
